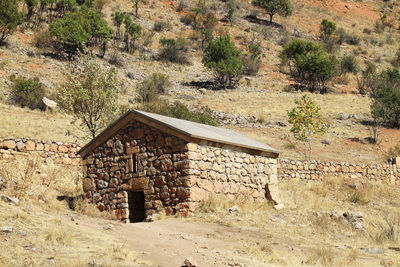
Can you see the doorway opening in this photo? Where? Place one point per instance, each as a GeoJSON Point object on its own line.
{"type": "Point", "coordinates": [136, 206]}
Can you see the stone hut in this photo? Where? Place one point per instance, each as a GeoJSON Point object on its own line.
{"type": "Point", "coordinates": [146, 163]}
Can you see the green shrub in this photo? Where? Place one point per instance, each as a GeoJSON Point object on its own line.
{"type": "Point", "coordinates": [43, 39]}
{"type": "Point", "coordinates": [160, 26]}
{"type": "Point", "coordinates": [352, 39]}
{"type": "Point", "coordinates": [28, 93]}
{"type": "Point", "coordinates": [327, 28]}
{"type": "Point", "coordinates": [224, 59]}
{"type": "Point", "coordinates": [386, 98]}
{"type": "Point", "coordinates": [153, 86]}
{"type": "Point", "coordinates": [314, 71]}
{"type": "Point", "coordinates": [251, 61]}
{"type": "Point", "coordinates": [180, 111]}
{"type": "Point", "coordinates": [173, 50]}
{"type": "Point", "coordinates": [10, 18]}
{"type": "Point", "coordinates": [349, 64]}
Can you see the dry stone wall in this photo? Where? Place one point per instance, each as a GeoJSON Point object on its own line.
{"type": "Point", "coordinates": [50, 151]}
{"type": "Point", "coordinates": [306, 170]}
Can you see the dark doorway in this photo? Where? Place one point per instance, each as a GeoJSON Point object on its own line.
{"type": "Point", "coordinates": [136, 206]}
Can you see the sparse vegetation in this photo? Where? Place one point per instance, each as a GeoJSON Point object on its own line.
{"type": "Point", "coordinates": [152, 87]}
{"type": "Point", "coordinates": [28, 92]}
{"type": "Point", "coordinates": [173, 50]}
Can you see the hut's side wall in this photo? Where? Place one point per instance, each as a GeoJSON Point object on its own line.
{"type": "Point", "coordinates": [138, 158]}
{"type": "Point", "coordinates": [223, 171]}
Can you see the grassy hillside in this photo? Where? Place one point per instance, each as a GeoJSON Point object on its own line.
{"type": "Point", "coordinates": [267, 95]}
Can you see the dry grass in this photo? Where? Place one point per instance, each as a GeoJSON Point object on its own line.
{"type": "Point", "coordinates": [312, 222]}
{"type": "Point", "coordinates": [22, 122]}
{"type": "Point", "coordinates": [45, 229]}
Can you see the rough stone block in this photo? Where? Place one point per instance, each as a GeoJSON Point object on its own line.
{"type": "Point", "coordinates": [8, 144]}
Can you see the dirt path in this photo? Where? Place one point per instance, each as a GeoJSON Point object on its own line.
{"type": "Point", "coordinates": [168, 242]}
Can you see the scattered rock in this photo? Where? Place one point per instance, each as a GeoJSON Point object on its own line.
{"type": "Point", "coordinates": [188, 262]}
{"type": "Point", "coordinates": [281, 123]}
{"type": "Point", "coordinates": [50, 104]}
{"type": "Point", "coordinates": [373, 250]}
{"type": "Point", "coordinates": [355, 220]}
{"type": "Point", "coordinates": [10, 200]}
{"type": "Point", "coordinates": [1, 183]}
{"type": "Point", "coordinates": [130, 75]}
{"type": "Point", "coordinates": [325, 142]}
{"type": "Point", "coordinates": [6, 229]}
{"type": "Point", "coordinates": [279, 206]}
{"type": "Point", "coordinates": [22, 232]}
{"type": "Point", "coordinates": [395, 248]}
{"type": "Point", "coordinates": [234, 209]}
{"type": "Point", "coordinates": [108, 227]}
{"type": "Point", "coordinates": [52, 261]}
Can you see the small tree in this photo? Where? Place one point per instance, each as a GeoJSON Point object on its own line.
{"type": "Point", "coordinates": [327, 28]}
{"type": "Point", "coordinates": [136, 5]}
{"type": "Point", "coordinates": [230, 11]}
{"type": "Point", "coordinates": [385, 96]}
{"type": "Point", "coordinates": [10, 18]}
{"type": "Point", "coordinates": [222, 57]}
{"type": "Point", "coordinates": [272, 7]}
{"type": "Point", "coordinates": [118, 18]}
{"type": "Point", "coordinates": [90, 95]}
{"type": "Point", "coordinates": [306, 121]}
{"type": "Point", "coordinates": [314, 71]}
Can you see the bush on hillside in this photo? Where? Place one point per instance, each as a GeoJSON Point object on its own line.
{"type": "Point", "coordinates": [224, 59]}
{"type": "Point", "coordinates": [173, 50]}
{"type": "Point", "coordinates": [28, 92]}
{"type": "Point", "coordinates": [153, 86]}
{"type": "Point", "coordinates": [386, 98]}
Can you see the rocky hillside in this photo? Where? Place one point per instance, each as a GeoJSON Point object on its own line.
{"type": "Point", "coordinates": [257, 107]}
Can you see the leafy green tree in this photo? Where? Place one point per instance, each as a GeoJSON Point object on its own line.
{"type": "Point", "coordinates": [298, 47]}
{"type": "Point", "coordinates": [272, 7]}
{"type": "Point", "coordinates": [28, 92]}
{"type": "Point", "coordinates": [79, 29]}
{"type": "Point", "coordinates": [306, 121]}
{"type": "Point", "coordinates": [327, 28]}
{"type": "Point", "coordinates": [10, 18]}
{"type": "Point", "coordinates": [90, 95]}
{"type": "Point", "coordinates": [314, 71]}
{"type": "Point", "coordinates": [310, 65]}
{"type": "Point", "coordinates": [134, 32]}
{"type": "Point", "coordinates": [224, 59]}
{"type": "Point", "coordinates": [118, 19]}
{"type": "Point", "coordinates": [385, 97]}
{"type": "Point", "coordinates": [69, 33]}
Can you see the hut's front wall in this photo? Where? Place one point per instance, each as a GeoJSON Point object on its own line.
{"type": "Point", "coordinates": [138, 158]}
